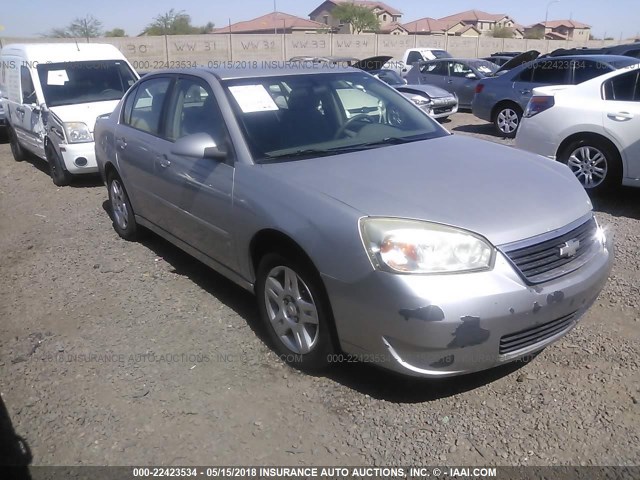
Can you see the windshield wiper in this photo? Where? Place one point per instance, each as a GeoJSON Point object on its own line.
{"type": "Point", "coordinates": [316, 152]}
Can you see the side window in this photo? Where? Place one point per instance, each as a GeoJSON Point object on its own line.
{"type": "Point", "coordinates": [527, 73]}
{"type": "Point", "coordinates": [551, 72]}
{"type": "Point", "coordinates": [146, 110]}
{"type": "Point", "coordinates": [414, 57]}
{"type": "Point", "coordinates": [584, 70]}
{"type": "Point", "coordinates": [26, 85]}
{"type": "Point", "coordinates": [128, 106]}
{"type": "Point", "coordinates": [623, 88]}
{"type": "Point", "coordinates": [194, 109]}
{"type": "Point", "coordinates": [459, 69]}
{"type": "Point", "coordinates": [435, 68]}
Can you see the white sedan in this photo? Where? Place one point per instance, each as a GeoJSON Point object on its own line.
{"type": "Point", "coordinates": [593, 127]}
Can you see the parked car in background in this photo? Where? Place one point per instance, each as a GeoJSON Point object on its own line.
{"type": "Point", "coordinates": [593, 127]}
{"type": "Point", "coordinates": [55, 92]}
{"type": "Point", "coordinates": [502, 99]}
{"type": "Point", "coordinates": [497, 59]}
{"type": "Point", "coordinates": [3, 114]}
{"type": "Point", "coordinates": [435, 101]}
{"type": "Point", "coordinates": [456, 75]}
{"type": "Point", "coordinates": [329, 60]}
{"type": "Point", "coordinates": [412, 56]}
{"type": "Point", "coordinates": [628, 50]}
{"type": "Point", "coordinates": [346, 226]}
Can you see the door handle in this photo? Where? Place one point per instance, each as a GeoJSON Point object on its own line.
{"type": "Point", "coordinates": [164, 161]}
{"type": "Point", "coordinates": [20, 110]}
{"type": "Point", "coordinates": [122, 143]}
{"type": "Point", "coordinates": [620, 116]}
{"type": "Point", "coordinates": [449, 81]}
{"type": "Point", "coordinates": [525, 92]}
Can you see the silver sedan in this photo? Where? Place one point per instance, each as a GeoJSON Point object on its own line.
{"type": "Point", "coordinates": [363, 227]}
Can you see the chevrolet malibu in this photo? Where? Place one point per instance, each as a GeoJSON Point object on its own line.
{"type": "Point", "coordinates": [363, 227]}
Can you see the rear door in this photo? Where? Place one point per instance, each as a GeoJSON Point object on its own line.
{"type": "Point", "coordinates": [138, 142]}
{"type": "Point", "coordinates": [621, 117]}
{"type": "Point", "coordinates": [547, 71]}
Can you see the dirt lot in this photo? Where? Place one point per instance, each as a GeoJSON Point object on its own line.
{"type": "Point", "coordinates": [123, 353]}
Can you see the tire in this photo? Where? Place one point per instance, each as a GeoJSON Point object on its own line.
{"type": "Point", "coordinates": [60, 176]}
{"type": "Point", "coordinates": [295, 312]}
{"type": "Point", "coordinates": [17, 151]}
{"type": "Point", "coordinates": [124, 221]}
{"type": "Point", "coordinates": [595, 163]}
{"type": "Point", "coordinates": [507, 119]}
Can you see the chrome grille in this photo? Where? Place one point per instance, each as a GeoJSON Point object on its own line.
{"type": "Point", "coordinates": [530, 336]}
{"type": "Point", "coordinates": [544, 261]}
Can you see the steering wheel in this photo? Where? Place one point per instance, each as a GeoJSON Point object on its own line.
{"type": "Point", "coordinates": [351, 121]}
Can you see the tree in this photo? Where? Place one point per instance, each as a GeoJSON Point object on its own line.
{"type": "Point", "coordinates": [502, 32]}
{"type": "Point", "coordinates": [175, 23]}
{"type": "Point", "coordinates": [86, 27]}
{"type": "Point", "coordinates": [116, 32]}
{"type": "Point", "coordinates": [360, 18]}
{"type": "Point", "coordinates": [534, 34]}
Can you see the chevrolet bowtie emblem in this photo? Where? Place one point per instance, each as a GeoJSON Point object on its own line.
{"type": "Point", "coordinates": [570, 248]}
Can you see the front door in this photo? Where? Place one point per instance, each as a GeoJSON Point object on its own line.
{"type": "Point", "coordinates": [26, 117]}
{"type": "Point", "coordinates": [201, 188]}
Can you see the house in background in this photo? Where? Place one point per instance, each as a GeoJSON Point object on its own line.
{"type": "Point", "coordinates": [388, 17]}
{"type": "Point", "coordinates": [433, 26]}
{"type": "Point", "coordinates": [275, 22]}
{"type": "Point", "coordinates": [484, 22]}
{"type": "Point", "coordinates": [560, 30]}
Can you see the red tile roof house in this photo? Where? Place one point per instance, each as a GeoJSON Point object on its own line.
{"type": "Point", "coordinates": [275, 22]}
{"type": "Point", "coordinates": [433, 26]}
{"type": "Point", "coordinates": [562, 30]}
{"type": "Point", "coordinates": [484, 22]}
{"type": "Point", "coordinates": [389, 17]}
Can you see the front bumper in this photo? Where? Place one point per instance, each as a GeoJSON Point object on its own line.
{"type": "Point", "coordinates": [441, 109]}
{"type": "Point", "coordinates": [72, 152]}
{"type": "Point", "coordinates": [534, 135]}
{"type": "Point", "coordinates": [445, 325]}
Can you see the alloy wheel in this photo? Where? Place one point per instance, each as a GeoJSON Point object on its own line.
{"type": "Point", "coordinates": [508, 121]}
{"type": "Point", "coordinates": [589, 165]}
{"type": "Point", "coordinates": [119, 205]}
{"type": "Point", "coordinates": [291, 310]}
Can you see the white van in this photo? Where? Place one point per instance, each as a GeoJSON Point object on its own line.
{"type": "Point", "coordinates": [54, 93]}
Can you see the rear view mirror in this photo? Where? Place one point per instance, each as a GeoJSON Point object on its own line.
{"type": "Point", "coordinates": [198, 145]}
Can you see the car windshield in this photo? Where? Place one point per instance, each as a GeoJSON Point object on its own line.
{"type": "Point", "coordinates": [313, 115]}
{"type": "Point", "coordinates": [69, 83]}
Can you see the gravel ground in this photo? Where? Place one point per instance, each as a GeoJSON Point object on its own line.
{"type": "Point", "coordinates": [117, 353]}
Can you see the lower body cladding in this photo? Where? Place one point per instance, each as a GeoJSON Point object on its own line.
{"type": "Point", "coordinates": [79, 158]}
{"type": "Point", "coordinates": [445, 325]}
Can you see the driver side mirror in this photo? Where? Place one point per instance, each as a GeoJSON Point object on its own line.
{"type": "Point", "coordinates": [199, 146]}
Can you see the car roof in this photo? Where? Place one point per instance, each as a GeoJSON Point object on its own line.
{"type": "Point", "coordinates": [234, 73]}
{"type": "Point", "coordinates": [600, 58]}
{"type": "Point", "coordinates": [63, 52]}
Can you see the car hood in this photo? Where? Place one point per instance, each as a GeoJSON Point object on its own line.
{"type": "Point", "coordinates": [84, 112]}
{"type": "Point", "coordinates": [372, 63]}
{"type": "Point", "coordinates": [499, 192]}
{"type": "Point", "coordinates": [430, 90]}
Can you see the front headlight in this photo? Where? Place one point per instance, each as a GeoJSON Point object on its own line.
{"type": "Point", "coordinates": [412, 246]}
{"type": "Point", "coordinates": [420, 100]}
{"type": "Point", "coordinates": [77, 132]}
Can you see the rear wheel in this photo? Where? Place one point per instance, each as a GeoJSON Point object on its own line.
{"type": "Point", "coordinates": [124, 222]}
{"type": "Point", "coordinates": [16, 149]}
{"type": "Point", "coordinates": [295, 311]}
{"type": "Point", "coordinates": [60, 176]}
{"type": "Point", "coordinates": [507, 120]}
{"type": "Point", "coordinates": [594, 162]}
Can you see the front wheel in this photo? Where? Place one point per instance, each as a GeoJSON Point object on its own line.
{"type": "Point", "coordinates": [293, 308]}
{"type": "Point", "coordinates": [60, 176]}
{"type": "Point", "coordinates": [594, 162]}
{"type": "Point", "coordinates": [507, 120]}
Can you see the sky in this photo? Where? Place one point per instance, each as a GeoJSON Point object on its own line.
{"type": "Point", "coordinates": [19, 18]}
